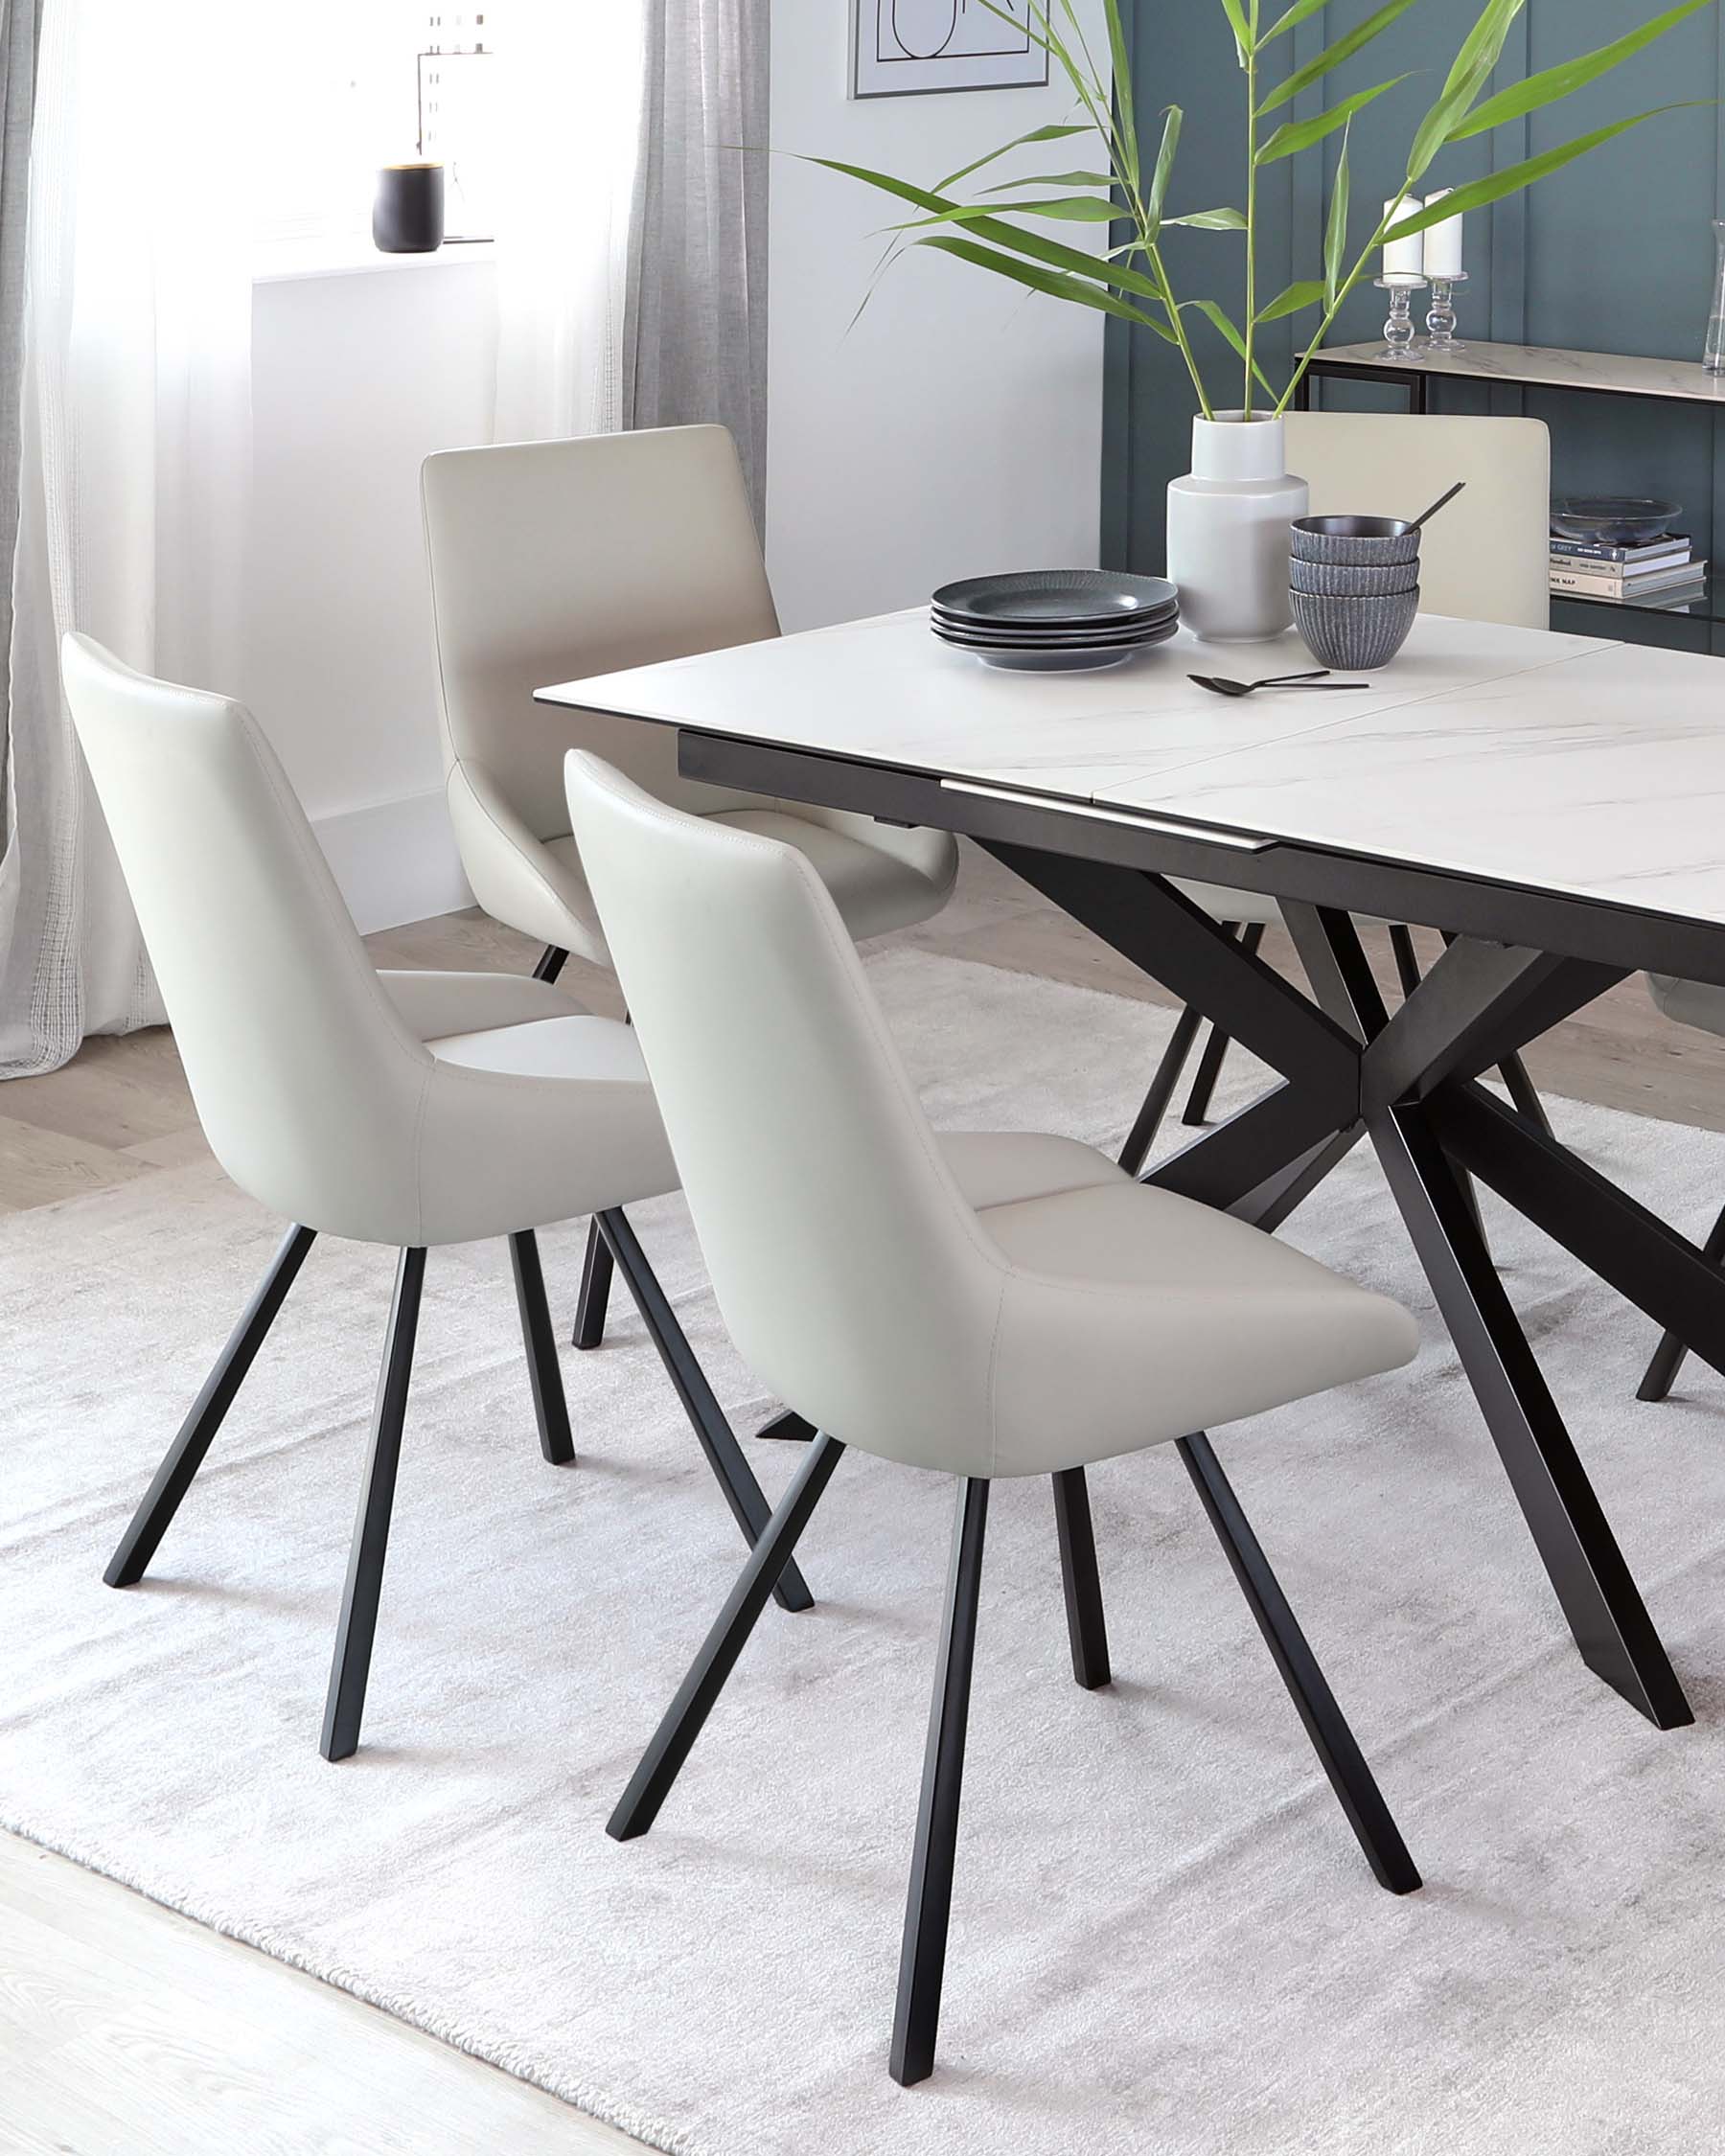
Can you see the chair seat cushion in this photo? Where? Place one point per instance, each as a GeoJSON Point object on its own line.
{"type": "Point", "coordinates": [1224, 905]}
{"type": "Point", "coordinates": [1689, 1002]}
{"type": "Point", "coordinates": [874, 891]}
{"type": "Point", "coordinates": [1134, 1315]}
{"type": "Point", "coordinates": [998, 1168]}
{"type": "Point", "coordinates": [581, 1048]}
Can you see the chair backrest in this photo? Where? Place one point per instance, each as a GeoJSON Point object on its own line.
{"type": "Point", "coordinates": [851, 1273]}
{"type": "Point", "coordinates": [551, 560]}
{"type": "Point", "coordinates": [307, 1082]}
{"type": "Point", "coordinates": [1487, 556]}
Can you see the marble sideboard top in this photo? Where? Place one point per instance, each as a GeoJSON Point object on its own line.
{"type": "Point", "coordinates": [1547, 367]}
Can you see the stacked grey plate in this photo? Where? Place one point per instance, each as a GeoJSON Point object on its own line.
{"type": "Point", "coordinates": [1354, 587]}
{"type": "Point", "coordinates": [1055, 621]}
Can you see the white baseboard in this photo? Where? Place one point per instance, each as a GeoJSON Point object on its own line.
{"type": "Point", "coordinates": [395, 861]}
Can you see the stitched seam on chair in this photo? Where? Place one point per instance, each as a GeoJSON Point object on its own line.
{"type": "Point", "coordinates": [993, 1375]}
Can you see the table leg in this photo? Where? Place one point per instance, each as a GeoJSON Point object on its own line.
{"type": "Point", "coordinates": [1587, 1569]}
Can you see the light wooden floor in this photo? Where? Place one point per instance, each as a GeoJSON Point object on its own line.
{"type": "Point", "coordinates": [128, 2030]}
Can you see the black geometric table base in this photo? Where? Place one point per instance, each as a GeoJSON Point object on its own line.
{"type": "Point", "coordinates": [1408, 1083]}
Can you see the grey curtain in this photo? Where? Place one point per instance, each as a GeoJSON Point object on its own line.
{"type": "Point", "coordinates": [20, 35]}
{"type": "Point", "coordinates": [695, 320]}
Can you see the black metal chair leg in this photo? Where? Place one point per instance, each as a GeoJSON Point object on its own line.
{"type": "Point", "coordinates": [674, 1737]}
{"type": "Point", "coordinates": [1216, 1046]}
{"type": "Point", "coordinates": [1333, 1741]}
{"type": "Point", "coordinates": [1087, 1628]}
{"type": "Point", "coordinates": [345, 1704]}
{"type": "Point", "coordinates": [929, 1906]}
{"type": "Point", "coordinates": [550, 964]}
{"type": "Point", "coordinates": [197, 1434]}
{"type": "Point", "coordinates": [1142, 1137]}
{"type": "Point", "coordinates": [1669, 1355]}
{"type": "Point", "coordinates": [1407, 958]}
{"type": "Point", "coordinates": [595, 1290]}
{"type": "Point", "coordinates": [744, 1495]}
{"type": "Point", "coordinates": [550, 1407]}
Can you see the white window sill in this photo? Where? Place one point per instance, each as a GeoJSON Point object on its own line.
{"type": "Point", "coordinates": [355, 256]}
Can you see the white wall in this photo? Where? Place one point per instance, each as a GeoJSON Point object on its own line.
{"type": "Point", "coordinates": [958, 429]}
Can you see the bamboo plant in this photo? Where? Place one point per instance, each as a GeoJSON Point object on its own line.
{"type": "Point", "coordinates": [1123, 186]}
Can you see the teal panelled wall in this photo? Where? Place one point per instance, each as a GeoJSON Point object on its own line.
{"type": "Point", "coordinates": [1612, 254]}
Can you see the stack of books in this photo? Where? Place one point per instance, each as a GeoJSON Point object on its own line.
{"type": "Point", "coordinates": [1662, 572]}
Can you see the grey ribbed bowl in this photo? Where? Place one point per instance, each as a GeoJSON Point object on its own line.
{"type": "Point", "coordinates": [1357, 634]}
{"type": "Point", "coordinates": [1360, 542]}
{"type": "Point", "coordinates": [1338, 580]}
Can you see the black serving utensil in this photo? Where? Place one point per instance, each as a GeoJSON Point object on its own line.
{"type": "Point", "coordinates": [1222, 686]}
{"type": "Point", "coordinates": [1442, 502]}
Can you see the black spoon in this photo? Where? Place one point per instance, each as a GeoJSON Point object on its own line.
{"type": "Point", "coordinates": [1219, 685]}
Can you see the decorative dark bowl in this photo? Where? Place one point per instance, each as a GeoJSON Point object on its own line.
{"type": "Point", "coordinates": [1354, 541]}
{"type": "Point", "coordinates": [1612, 519]}
{"type": "Point", "coordinates": [1355, 634]}
{"type": "Point", "coordinates": [1341, 580]}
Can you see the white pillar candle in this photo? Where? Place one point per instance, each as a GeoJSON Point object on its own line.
{"type": "Point", "coordinates": [1404, 257]}
{"type": "Point", "coordinates": [1442, 242]}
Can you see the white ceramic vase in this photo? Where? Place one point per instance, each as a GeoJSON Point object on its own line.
{"type": "Point", "coordinates": [1227, 530]}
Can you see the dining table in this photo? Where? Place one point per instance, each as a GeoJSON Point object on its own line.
{"type": "Point", "coordinates": [1555, 804]}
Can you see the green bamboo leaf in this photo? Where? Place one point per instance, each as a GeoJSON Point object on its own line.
{"type": "Point", "coordinates": [1335, 233]}
{"type": "Point", "coordinates": [1332, 55]}
{"type": "Point", "coordinates": [1073, 208]}
{"type": "Point", "coordinates": [1040, 29]}
{"type": "Point", "coordinates": [1212, 220]}
{"type": "Point", "coordinates": [1126, 119]}
{"type": "Point", "coordinates": [1307, 292]}
{"type": "Point", "coordinates": [1300, 134]}
{"type": "Point", "coordinates": [1292, 17]}
{"type": "Point", "coordinates": [1212, 312]}
{"type": "Point", "coordinates": [1477, 194]}
{"type": "Point", "coordinates": [1555, 82]}
{"type": "Point", "coordinates": [1468, 76]}
{"type": "Point", "coordinates": [999, 232]}
{"type": "Point", "coordinates": [1082, 180]}
{"type": "Point", "coordinates": [1018, 142]}
{"type": "Point", "coordinates": [1242, 31]}
{"type": "Point", "coordinates": [1070, 289]}
{"type": "Point", "coordinates": [1163, 172]}
{"type": "Point", "coordinates": [1076, 209]}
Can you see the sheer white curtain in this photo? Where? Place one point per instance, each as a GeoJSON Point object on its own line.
{"type": "Point", "coordinates": [569, 136]}
{"type": "Point", "coordinates": [135, 459]}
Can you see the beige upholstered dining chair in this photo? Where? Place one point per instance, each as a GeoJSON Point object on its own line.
{"type": "Point", "coordinates": [980, 1306]}
{"type": "Point", "coordinates": [552, 561]}
{"type": "Point", "coordinates": [408, 1110]}
{"type": "Point", "coordinates": [1485, 559]}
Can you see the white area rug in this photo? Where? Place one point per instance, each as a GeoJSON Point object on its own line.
{"type": "Point", "coordinates": [1164, 1939]}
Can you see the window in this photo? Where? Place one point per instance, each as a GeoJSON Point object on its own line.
{"type": "Point", "coordinates": [354, 84]}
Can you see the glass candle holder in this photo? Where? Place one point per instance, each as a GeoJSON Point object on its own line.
{"type": "Point", "coordinates": [1713, 354]}
{"type": "Point", "coordinates": [1401, 284]}
{"type": "Point", "coordinates": [1441, 321]}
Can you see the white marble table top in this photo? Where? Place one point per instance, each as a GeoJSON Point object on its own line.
{"type": "Point", "coordinates": [1559, 763]}
{"type": "Point", "coordinates": [1548, 367]}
